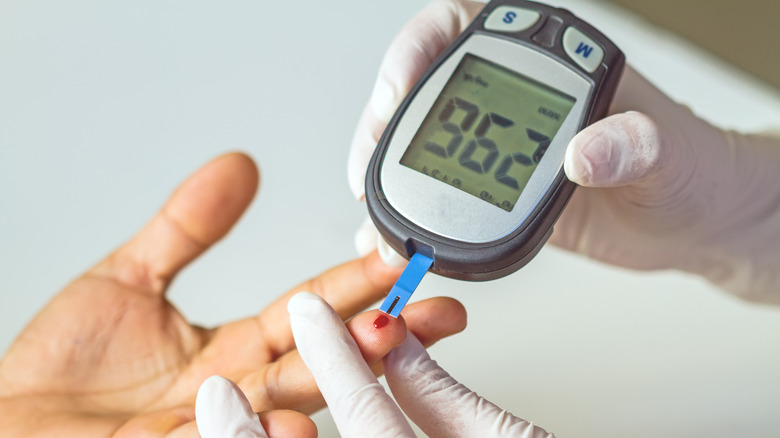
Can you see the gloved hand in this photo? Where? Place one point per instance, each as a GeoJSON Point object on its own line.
{"type": "Point", "coordinates": [223, 411]}
{"type": "Point", "coordinates": [661, 188]}
{"type": "Point", "coordinates": [437, 403]}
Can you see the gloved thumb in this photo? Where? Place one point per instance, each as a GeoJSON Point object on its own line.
{"type": "Point", "coordinates": [440, 405]}
{"type": "Point", "coordinates": [620, 150]}
{"type": "Point", "coordinates": [222, 410]}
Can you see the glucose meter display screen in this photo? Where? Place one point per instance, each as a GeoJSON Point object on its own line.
{"type": "Point", "coordinates": [487, 131]}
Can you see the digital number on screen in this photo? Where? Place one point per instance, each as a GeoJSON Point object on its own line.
{"type": "Point", "coordinates": [487, 131]}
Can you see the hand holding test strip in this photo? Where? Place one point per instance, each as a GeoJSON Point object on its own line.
{"type": "Point", "coordinates": [360, 407]}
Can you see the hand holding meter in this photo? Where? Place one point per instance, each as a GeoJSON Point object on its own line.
{"type": "Point", "coordinates": [469, 172]}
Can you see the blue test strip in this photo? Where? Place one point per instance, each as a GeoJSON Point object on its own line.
{"type": "Point", "coordinates": [404, 288]}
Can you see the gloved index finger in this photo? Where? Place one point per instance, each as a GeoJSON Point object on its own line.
{"type": "Point", "coordinates": [409, 55]}
{"type": "Point", "coordinates": [358, 403]}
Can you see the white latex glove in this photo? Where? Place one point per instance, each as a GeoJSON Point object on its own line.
{"type": "Point", "coordinates": [661, 188]}
{"type": "Point", "coordinates": [360, 407]}
{"type": "Point", "coordinates": [223, 411]}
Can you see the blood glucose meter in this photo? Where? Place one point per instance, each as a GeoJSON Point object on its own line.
{"type": "Point", "coordinates": [469, 171]}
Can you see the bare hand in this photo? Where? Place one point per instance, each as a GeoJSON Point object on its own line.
{"type": "Point", "coordinates": [110, 356]}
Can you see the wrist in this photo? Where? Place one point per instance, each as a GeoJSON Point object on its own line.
{"type": "Point", "coordinates": [739, 242]}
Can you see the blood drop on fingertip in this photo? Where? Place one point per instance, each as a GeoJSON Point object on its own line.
{"type": "Point", "coordinates": [381, 321]}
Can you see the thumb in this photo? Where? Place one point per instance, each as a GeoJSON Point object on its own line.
{"type": "Point", "coordinates": [620, 150]}
{"type": "Point", "coordinates": [652, 149]}
{"type": "Point", "coordinates": [441, 406]}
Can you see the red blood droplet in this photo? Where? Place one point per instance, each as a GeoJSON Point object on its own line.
{"type": "Point", "coordinates": [381, 321]}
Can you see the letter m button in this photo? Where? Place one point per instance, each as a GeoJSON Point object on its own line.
{"type": "Point", "coordinates": [582, 49]}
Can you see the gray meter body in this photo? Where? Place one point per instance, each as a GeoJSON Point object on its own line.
{"type": "Point", "coordinates": [469, 171]}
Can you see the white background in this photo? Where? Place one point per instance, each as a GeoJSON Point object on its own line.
{"type": "Point", "coordinates": [106, 106]}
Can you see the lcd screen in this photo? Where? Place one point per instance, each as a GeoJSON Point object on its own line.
{"type": "Point", "coordinates": [487, 131]}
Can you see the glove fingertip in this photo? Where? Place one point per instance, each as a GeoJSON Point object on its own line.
{"type": "Point", "coordinates": [356, 172]}
{"type": "Point", "coordinates": [388, 254]}
{"type": "Point", "coordinates": [365, 238]}
{"type": "Point", "coordinates": [221, 409]}
{"type": "Point", "coordinates": [620, 150]}
{"type": "Point", "coordinates": [304, 303]}
{"type": "Point", "coordinates": [590, 159]}
{"type": "Point", "coordinates": [384, 99]}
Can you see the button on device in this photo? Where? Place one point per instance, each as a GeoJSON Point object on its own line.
{"type": "Point", "coordinates": [511, 19]}
{"type": "Point", "coordinates": [581, 49]}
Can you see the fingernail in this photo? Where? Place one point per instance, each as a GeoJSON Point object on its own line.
{"type": "Point", "coordinates": [383, 99]}
{"type": "Point", "coordinates": [365, 237]}
{"type": "Point", "coordinates": [388, 254]}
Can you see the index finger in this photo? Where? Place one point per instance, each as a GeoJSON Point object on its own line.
{"type": "Point", "coordinates": [348, 288]}
{"type": "Point", "coordinates": [411, 52]}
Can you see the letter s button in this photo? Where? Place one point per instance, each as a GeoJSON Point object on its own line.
{"type": "Point", "coordinates": [511, 19]}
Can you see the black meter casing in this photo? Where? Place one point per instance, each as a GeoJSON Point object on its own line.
{"type": "Point", "coordinates": [490, 260]}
